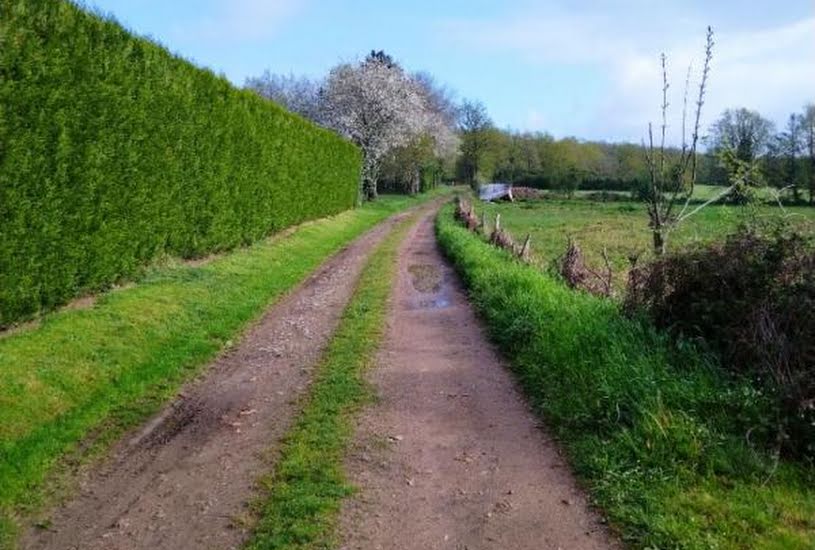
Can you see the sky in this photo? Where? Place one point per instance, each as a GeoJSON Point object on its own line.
{"type": "Point", "coordinates": [588, 69]}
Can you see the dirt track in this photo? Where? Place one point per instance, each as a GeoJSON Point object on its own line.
{"type": "Point", "coordinates": [183, 480]}
{"type": "Point", "coordinates": [451, 457]}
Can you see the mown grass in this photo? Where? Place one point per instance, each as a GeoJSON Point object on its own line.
{"type": "Point", "coordinates": [304, 492]}
{"type": "Point", "coordinates": [72, 384]}
{"type": "Point", "coordinates": [656, 431]}
{"type": "Point", "coordinates": [622, 227]}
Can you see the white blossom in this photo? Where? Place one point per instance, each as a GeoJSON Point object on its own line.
{"type": "Point", "coordinates": [376, 105]}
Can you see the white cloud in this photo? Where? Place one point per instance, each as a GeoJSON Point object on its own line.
{"type": "Point", "coordinates": [240, 20]}
{"type": "Point", "coordinates": [771, 69]}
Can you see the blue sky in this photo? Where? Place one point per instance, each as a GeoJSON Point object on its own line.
{"type": "Point", "coordinates": [583, 68]}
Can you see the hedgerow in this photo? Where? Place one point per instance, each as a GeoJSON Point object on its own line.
{"type": "Point", "coordinates": [113, 152]}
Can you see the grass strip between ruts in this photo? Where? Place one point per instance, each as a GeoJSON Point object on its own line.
{"type": "Point", "coordinates": [306, 488]}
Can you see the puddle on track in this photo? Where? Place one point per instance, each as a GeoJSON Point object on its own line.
{"type": "Point", "coordinates": [432, 286]}
{"type": "Point", "coordinates": [426, 277]}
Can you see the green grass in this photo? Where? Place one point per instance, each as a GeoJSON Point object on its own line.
{"type": "Point", "coordinates": [304, 492]}
{"type": "Point", "coordinates": [71, 385]}
{"type": "Point", "coordinates": [621, 227]}
{"type": "Point", "coordinates": [701, 193]}
{"type": "Point", "coordinates": [655, 430]}
{"type": "Point", "coordinates": [705, 192]}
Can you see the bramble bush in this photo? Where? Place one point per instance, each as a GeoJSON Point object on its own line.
{"type": "Point", "coordinates": [113, 152]}
{"type": "Point", "coordinates": [751, 299]}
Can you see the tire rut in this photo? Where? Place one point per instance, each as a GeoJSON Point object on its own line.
{"type": "Point", "coordinates": [451, 457]}
{"type": "Point", "coordinates": [184, 478]}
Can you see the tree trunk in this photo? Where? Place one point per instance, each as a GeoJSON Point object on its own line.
{"type": "Point", "coordinates": [812, 181]}
{"type": "Point", "coordinates": [415, 183]}
{"type": "Point", "coordinates": [370, 172]}
{"type": "Point", "coordinates": [369, 191]}
{"type": "Point", "coordinates": [660, 242]}
{"type": "Point", "coordinates": [811, 144]}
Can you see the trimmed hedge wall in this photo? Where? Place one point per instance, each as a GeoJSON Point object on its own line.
{"type": "Point", "coordinates": [113, 151]}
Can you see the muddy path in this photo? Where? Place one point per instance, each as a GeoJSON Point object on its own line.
{"type": "Point", "coordinates": [450, 456]}
{"type": "Point", "coordinates": [183, 480]}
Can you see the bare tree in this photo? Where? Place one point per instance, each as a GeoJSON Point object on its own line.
{"type": "Point", "coordinates": [300, 95]}
{"type": "Point", "coordinates": [672, 177]}
{"type": "Point", "coordinates": [378, 107]}
{"type": "Point", "coordinates": [440, 99]}
{"type": "Point", "coordinates": [441, 115]}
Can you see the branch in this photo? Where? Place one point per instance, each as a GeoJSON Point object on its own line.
{"type": "Point", "coordinates": [685, 150]}
{"type": "Point", "coordinates": [777, 197]}
{"type": "Point", "coordinates": [653, 200]}
{"type": "Point", "coordinates": [685, 111]}
{"type": "Point", "coordinates": [665, 86]}
{"type": "Point", "coordinates": [691, 158]}
{"type": "Point", "coordinates": [724, 193]}
{"type": "Point", "coordinates": [701, 101]}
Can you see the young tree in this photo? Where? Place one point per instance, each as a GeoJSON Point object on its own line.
{"type": "Point", "coordinates": [673, 177]}
{"type": "Point", "coordinates": [377, 106]}
{"type": "Point", "coordinates": [474, 124]}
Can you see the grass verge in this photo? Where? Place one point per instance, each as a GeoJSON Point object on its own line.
{"type": "Point", "coordinates": [74, 383]}
{"type": "Point", "coordinates": [304, 492]}
{"type": "Point", "coordinates": [657, 433]}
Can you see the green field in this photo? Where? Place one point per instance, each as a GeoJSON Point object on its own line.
{"type": "Point", "coordinates": [622, 227]}
{"type": "Point", "coordinates": [701, 193]}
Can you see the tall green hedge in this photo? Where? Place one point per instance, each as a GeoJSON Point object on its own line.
{"type": "Point", "coordinates": [113, 151]}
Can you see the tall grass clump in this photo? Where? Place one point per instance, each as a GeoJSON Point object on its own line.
{"type": "Point", "coordinates": [658, 434]}
{"type": "Point", "coordinates": [113, 152]}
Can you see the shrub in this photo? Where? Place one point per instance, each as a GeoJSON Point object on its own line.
{"type": "Point", "coordinates": [113, 151]}
{"type": "Point", "coordinates": [752, 300]}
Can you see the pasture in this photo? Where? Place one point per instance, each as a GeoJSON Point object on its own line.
{"type": "Point", "coordinates": [621, 227]}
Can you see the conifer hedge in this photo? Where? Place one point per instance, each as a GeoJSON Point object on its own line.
{"type": "Point", "coordinates": [113, 151]}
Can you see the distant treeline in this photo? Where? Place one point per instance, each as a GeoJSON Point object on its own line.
{"type": "Point", "coordinates": [113, 151]}
{"type": "Point", "coordinates": [541, 161]}
{"type": "Point", "coordinates": [785, 160]}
